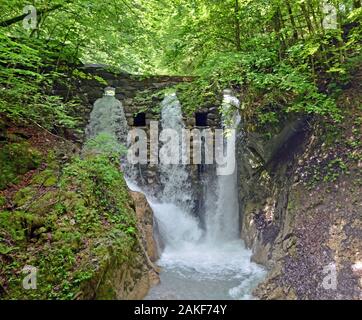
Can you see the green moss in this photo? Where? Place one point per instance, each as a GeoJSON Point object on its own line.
{"type": "Point", "coordinates": [43, 176]}
{"type": "Point", "coordinates": [12, 225]}
{"type": "Point", "coordinates": [44, 203]}
{"type": "Point", "coordinates": [16, 159]}
{"type": "Point", "coordinates": [2, 201]}
{"type": "Point", "coordinates": [51, 181]}
{"type": "Point", "coordinates": [24, 195]}
{"type": "Point", "coordinates": [83, 225]}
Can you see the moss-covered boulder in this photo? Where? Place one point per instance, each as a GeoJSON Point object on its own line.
{"type": "Point", "coordinates": [77, 225]}
{"type": "Point", "coordinates": [16, 159]}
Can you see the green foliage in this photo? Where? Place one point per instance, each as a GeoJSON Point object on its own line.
{"type": "Point", "coordinates": [89, 212]}
{"type": "Point", "coordinates": [2, 201]}
{"type": "Point", "coordinates": [105, 144]}
{"type": "Point", "coordinates": [335, 168]}
{"type": "Point", "coordinates": [86, 76]}
{"type": "Point", "coordinates": [277, 53]}
{"type": "Point", "coordinates": [281, 85]}
{"type": "Point", "coordinates": [268, 117]}
{"type": "Point", "coordinates": [25, 85]}
{"type": "Point", "coordinates": [197, 94]}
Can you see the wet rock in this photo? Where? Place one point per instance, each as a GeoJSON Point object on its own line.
{"type": "Point", "coordinates": [299, 232]}
{"type": "Point", "coordinates": [145, 218]}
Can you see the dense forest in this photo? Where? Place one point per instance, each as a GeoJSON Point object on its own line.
{"type": "Point", "coordinates": [301, 48]}
{"type": "Point", "coordinates": [283, 58]}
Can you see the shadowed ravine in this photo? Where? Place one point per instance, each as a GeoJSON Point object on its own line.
{"type": "Point", "coordinates": [238, 124]}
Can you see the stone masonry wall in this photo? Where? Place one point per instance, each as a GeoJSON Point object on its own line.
{"type": "Point", "coordinates": [90, 86]}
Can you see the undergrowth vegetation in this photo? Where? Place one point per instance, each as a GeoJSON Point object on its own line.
{"type": "Point", "coordinates": [65, 222]}
{"type": "Point", "coordinates": [64, 214]}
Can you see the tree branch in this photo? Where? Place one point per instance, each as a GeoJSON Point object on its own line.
{"type": "Point", "coordinates": [11, 21]}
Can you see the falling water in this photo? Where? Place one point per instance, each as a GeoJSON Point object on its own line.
{"type": "Point", "coordinates": [197, 263]}
{"type": "Point", "coordinates": [107, 117]}
{"type": "Point", "coordinates": [175, 177]}
{"type": "Point", "coordinates": [222, 217]}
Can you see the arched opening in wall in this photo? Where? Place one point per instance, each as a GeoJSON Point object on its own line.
{"type": "Point", "coordinates": [201, 119]}
{"type": "Point", "coordinates": [139, 120]}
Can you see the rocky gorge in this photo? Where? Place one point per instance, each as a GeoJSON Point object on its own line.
{"type": "Point", "coordinates": [291, 219]}
{"type": "Point", "coordinates": [181, 150]}
{"type": "Point", "coordinates": [303, 227]}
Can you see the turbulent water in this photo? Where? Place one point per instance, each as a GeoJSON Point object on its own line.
{"type": "Point", "coordinates": [196, 268]}
{"type": "Point", "coordinates": [175, 177]}
{"type": "Point", "coordinates": [198, 261]}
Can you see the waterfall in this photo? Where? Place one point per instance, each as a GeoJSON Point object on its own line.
{"type": "Point", "coordinates": [108, 118]}
{"type": "Point", "coordinates": [175, 178]}
{"type": "Point", "coordinates": [106, 132]}
{"type": "Point", "coordinates": [197, 262]}
{"type": "Point", "coordinates": [222, 217]}
{"type": "Point", "coordinates": [176, 199]}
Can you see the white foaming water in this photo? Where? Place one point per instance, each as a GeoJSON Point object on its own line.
{"type": "Point", "coordinates": [222, 216]}
{"type": "Point", "coordinates": [175, 177]}
{"type": "Point", "coordinates": [199, 264]}
{"type": "Point", "coordinates": [194, 267]}
{"type": "Point", "coordinates": [177, 227]}
{"type": "Point", "coordinates": [206, 271]}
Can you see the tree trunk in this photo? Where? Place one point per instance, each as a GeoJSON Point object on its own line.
{"type": "Point", "coordinates": [292, 21]}
{"type": "Point", "coordinates": [307, 18]}
{"type": "Point", "coordinates": [237, 26]}
{"type": "Point", "coordinates": [277, 27]}
{"type": "Point", "coordinates": [314, 16]}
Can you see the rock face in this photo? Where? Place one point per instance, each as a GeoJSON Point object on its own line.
{"type": "Point", "coordinates": [122, 280]}
{"type": "Point", "coordinates": [145, 224]}
{"type": "Point", "coordinates": [300, 199]}
{"type": "Point", "coordinates": [264, 183]}
{"type": "Point", "coordinates": [131, 279]}
{"type": "Point", "coordinates": [88, 236]}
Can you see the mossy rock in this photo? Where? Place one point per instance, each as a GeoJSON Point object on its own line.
{"type": "Point", "coordinates": [43, 205]}
{"type": "Point", "coordinates": [17, 159]}
{"type": "Point", "coordinates": [47, 178]}
{"type": "Point", "coordinates": [24, 195]}
{"type": "Point", "coordinates": [30, 220]}
{"type": "Point", "coordinates": [12, 225]}
{"type": "Point", "coordinates": [77, 228]}
{"type": "Point", "coordinates": [51, 181]}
